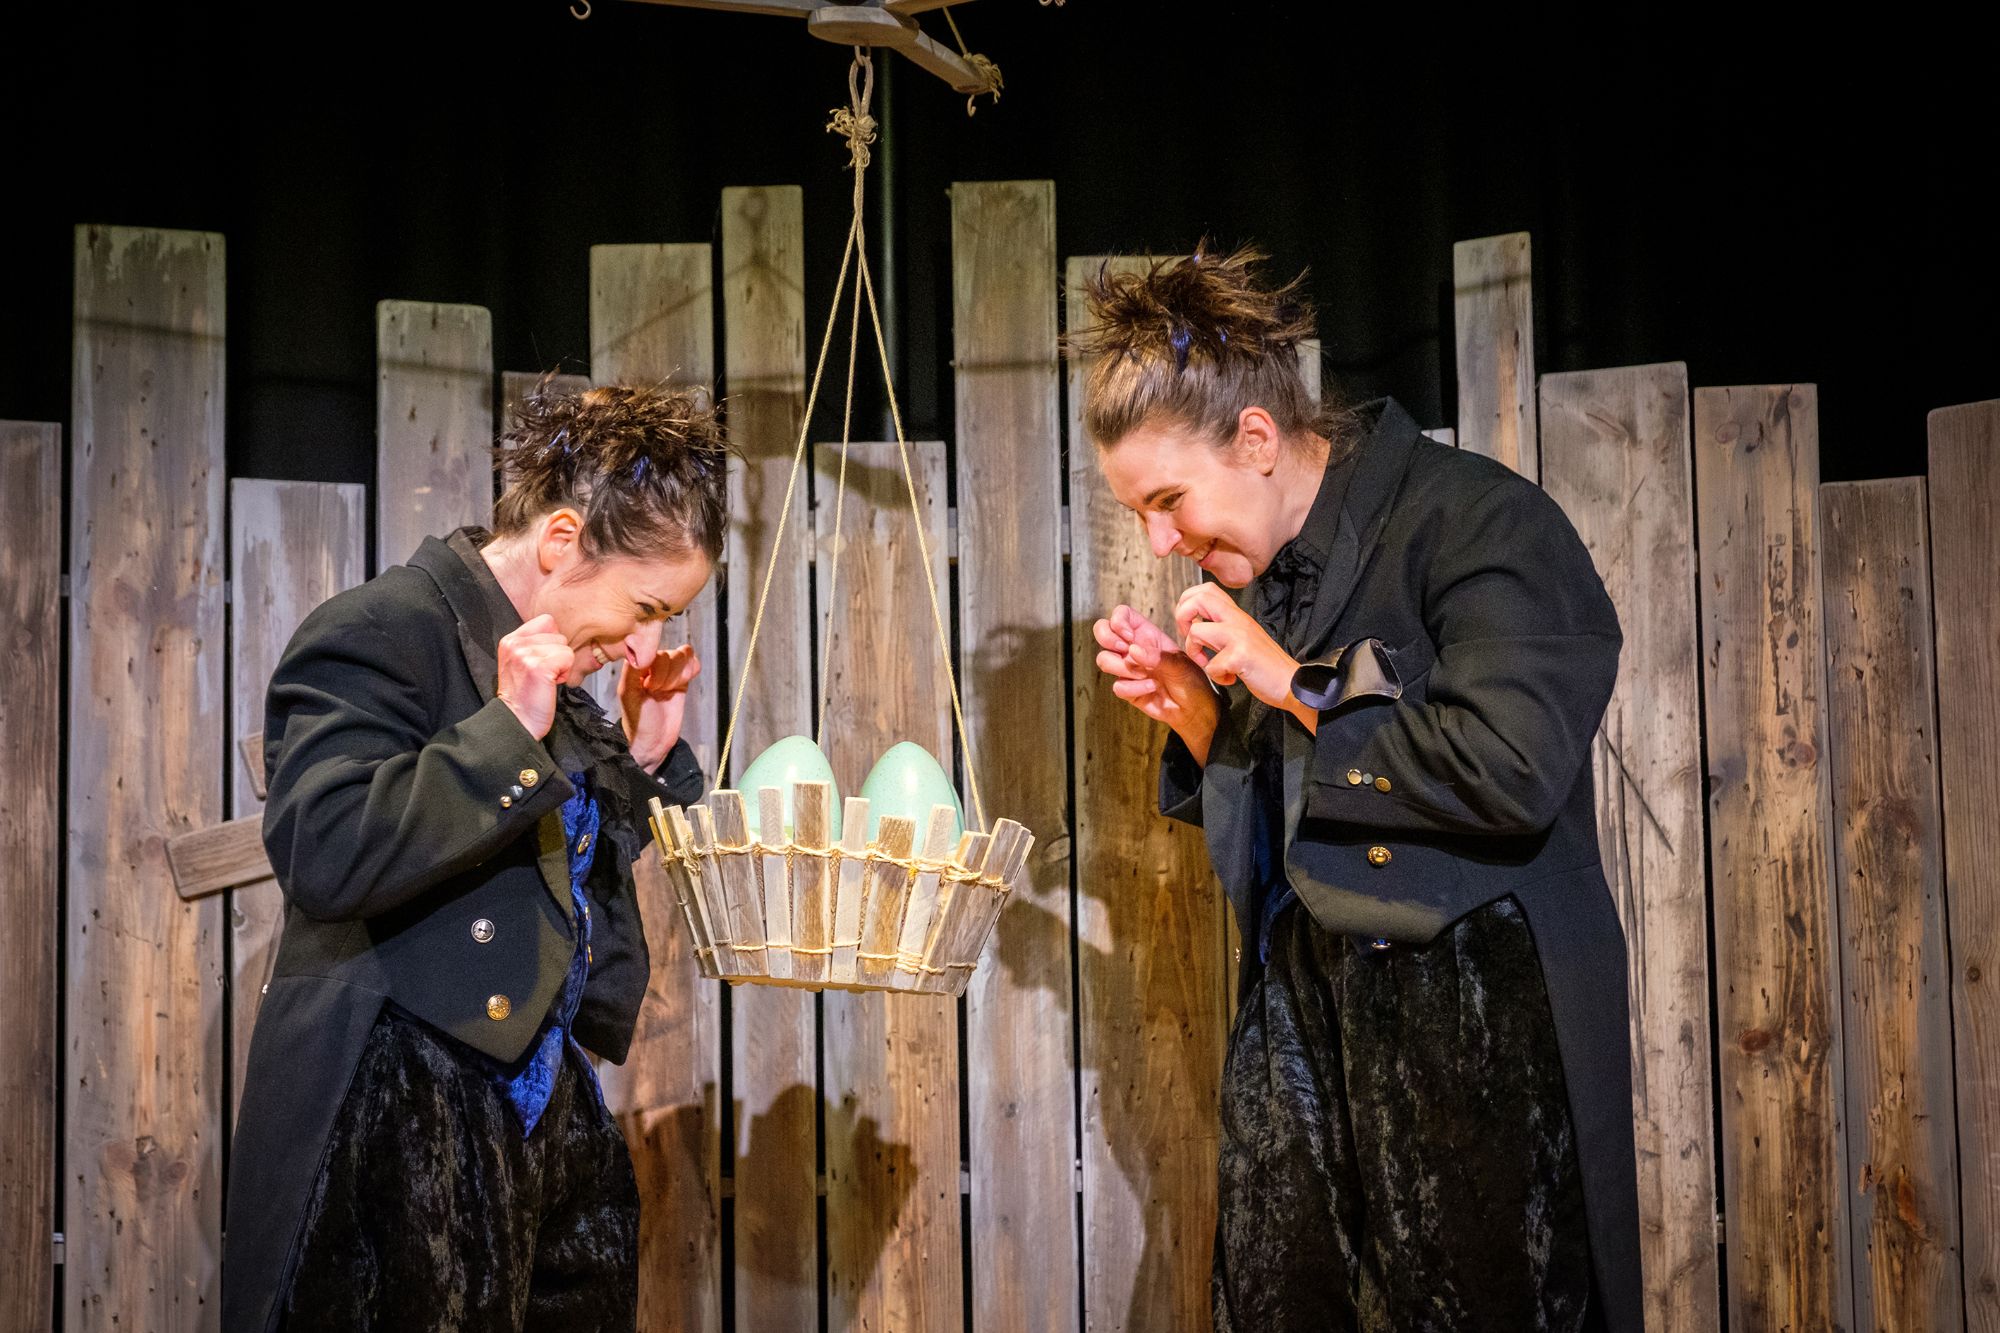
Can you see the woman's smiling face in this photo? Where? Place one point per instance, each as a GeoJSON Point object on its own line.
{"type": "Point", "coordinates": [1224, 507]}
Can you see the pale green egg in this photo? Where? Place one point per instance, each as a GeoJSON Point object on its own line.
{"type": "Point", "coordinates": [793, 759]}
{"type": "Point", "coordinates": [907, 782]}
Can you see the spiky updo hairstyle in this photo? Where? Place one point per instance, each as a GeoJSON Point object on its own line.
{"type": "Point", "coordinates": [647, 469]}
{"type": "Point", "coordinates": [1189, 342]}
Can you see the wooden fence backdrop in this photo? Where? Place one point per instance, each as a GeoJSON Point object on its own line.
{"type": "Point", "coordinates": [1794, 778]}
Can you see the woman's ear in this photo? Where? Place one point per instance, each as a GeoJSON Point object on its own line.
{"type": "Point", "coordinates": [1257, 436]}
{"type": "Point", "coordinates": [557, 539]}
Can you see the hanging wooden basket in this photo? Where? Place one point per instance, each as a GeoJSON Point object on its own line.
{"type": "Point", "coordinates": [891, 915]}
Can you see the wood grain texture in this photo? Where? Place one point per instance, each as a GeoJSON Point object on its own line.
{"type": "Point", "coordinates": [892, 1149]}
{"type": "Point", "coordinates": [1784, 1158]}
{"type": "Point", "coordinates": [433, 423]}
{"type": "Point", "coordinates": [30, 737]}
{"type": "Point", "coordinates": [222, 856]}
{"type": "Point", "coordinates": [142, 1093]}
{"type": "Point", "coordinates": [774, 1031]}
{"type": "Point", "coordinates": [1150, 938]}
{"type": "Point", "coordinates": [1889, 879]}
{"type": "Point", "coordinates": [1965, 569]}
{"type": "Point", "coordinates": [1616, 455]}
{"type": "Point", "coordinates": [292, 545]}
{"type": "Point", "coordinates": [651, 324]}
{"type": "Point", "coordinates": [1492, 281]}
{"type": "Point", "coordinates": [1021, 1084]}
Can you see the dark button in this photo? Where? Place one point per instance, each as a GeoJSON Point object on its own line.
{"type": "Point", "coordinates": [1378, 944]}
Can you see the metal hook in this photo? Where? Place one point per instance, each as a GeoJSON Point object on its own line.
{"type": "Point", "coordinates": [583, 15]}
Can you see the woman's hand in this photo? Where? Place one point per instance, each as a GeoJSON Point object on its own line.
{"type": "Point", "coordinates": [1149, 671]}
{"type": "Point", "coordinates": [1225, 642]}
{"type": "Point", "coordinates": [652, 702]}
{"type": "Point", "coordinates": [534, 659]}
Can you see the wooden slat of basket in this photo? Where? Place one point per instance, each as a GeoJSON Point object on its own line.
{"type": "Point", "coordinates": [687, 882]}
{"type": "Point", "coordinates": [850, 895]}
{"type": "Point", "coordinates": [777, 877]}
{"type": "Point", "coordinates": [1008, 869]}
{"type": "Point", "coordinates": [739, 881]}
{"type": "Point", "coordinates": [982, 904]}
{"type": "Point", "coordinates": [888, 893]}
{"type": "Point", "coordinates": [922, 910]}
{"type": "Point", "coordinates": [812, 806]}
{"type": "Point", "coordinates": [714, 896]}
{"type": "Point", "coordinates": [956, 896]}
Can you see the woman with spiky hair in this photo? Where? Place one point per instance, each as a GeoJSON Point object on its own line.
{"type": "Point", "coordinates": [1384, 734]}
{"type": "Point", "coordinates": [422, 1143]}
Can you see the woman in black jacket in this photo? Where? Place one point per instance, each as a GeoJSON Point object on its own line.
{"type": "Point", "coordinates": [1426, 1105]}
{"type": "Point", "coordinates": [422, 1143]}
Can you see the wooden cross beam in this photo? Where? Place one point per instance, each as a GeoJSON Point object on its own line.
{"type": "Point", "coordinates": [227, 855]}
{"type": "Point", "coordinates": [887, 23]}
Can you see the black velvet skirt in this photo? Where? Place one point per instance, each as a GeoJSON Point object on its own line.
{"type": "Point", "coordinates": [1397, 1153]}
{"type": "Point", "coordinates": [432, 1211]}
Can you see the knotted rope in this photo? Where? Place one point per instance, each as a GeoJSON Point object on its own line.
{"type": "Point", "coordinates": [858, 126]}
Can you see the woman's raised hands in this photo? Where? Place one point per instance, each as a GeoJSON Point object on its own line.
{"type": "Point", "coordinates": [1149, 671]}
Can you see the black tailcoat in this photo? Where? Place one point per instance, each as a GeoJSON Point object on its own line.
{"type": "Point", "coordinates": [415, 828]}
{"type": "Point", "coordinates": [1461, 650]}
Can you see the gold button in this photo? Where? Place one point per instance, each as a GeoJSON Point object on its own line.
{"type": "Point", "coordinates": [529, 777]}
{"type": "Point", "coordinates": [498, 1007]}
{"type": "Point", "coordinates": [1354, 777]}
{"type": "Point", "coordinates": [583, 844]}
{"type": "Point", "coordinates": [1378, 855]}
{"type": "Point", "coordinates": [482, 930]}
{"type": "Point", "coordinates": [1381, 784]}
{"type": "Point", "coordinates": [506, 801]}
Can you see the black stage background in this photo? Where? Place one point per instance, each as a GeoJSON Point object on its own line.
{"type": "Point", "coordinates": [1766, 201]}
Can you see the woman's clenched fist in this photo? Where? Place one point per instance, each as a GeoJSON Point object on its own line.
{"type": "Point", "coordinates": [534, 660]}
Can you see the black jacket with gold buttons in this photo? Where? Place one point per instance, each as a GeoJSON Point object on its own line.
{"type": "Point", "coordinates": [415, 829]}
{"type": "Point", "coordinates": [1460, 650]}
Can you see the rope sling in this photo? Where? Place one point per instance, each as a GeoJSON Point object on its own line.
{"type": "Point", "coordinates": [859, 128]}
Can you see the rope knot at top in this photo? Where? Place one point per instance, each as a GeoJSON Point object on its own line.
{"type": "Point", "coordinates": [853, 120]}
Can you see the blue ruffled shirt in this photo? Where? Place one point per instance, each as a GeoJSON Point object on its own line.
{"type": "Point", "coordinates": [530, 1088]}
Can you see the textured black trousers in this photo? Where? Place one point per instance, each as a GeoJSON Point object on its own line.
{"type": "Point", "coordinates": [432, 1212]}
{"type": "Point", "coordinates": [1397, 1154]}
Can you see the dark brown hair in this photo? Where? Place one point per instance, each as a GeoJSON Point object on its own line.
{"type": "Point", "coordinates": [647, 469]}
{"type": "Point", "coordinates": [1190, 342]}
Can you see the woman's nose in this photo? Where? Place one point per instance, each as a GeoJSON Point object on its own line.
{"type": "Point", "coordinates": [642, 645]}
{"type": "Point", "coordinates": [1163, 536]}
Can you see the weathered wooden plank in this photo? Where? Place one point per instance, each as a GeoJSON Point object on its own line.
{"type": "Point", "coordinates": [1149, 935]}
{"type": "Point", "coordinates": [222, 856]}
{"type": "Point", "coordinates": [651, 324]}
{"type": "Point", "coordinates": [142, 1098]}
{"type": "Point", "coordinates": [30, 756]}
{"type": "Point", "coordinates": [1784, 1152]}
{"type": "Point", "coordinates": [774, 1031]}
{"type": "Point", "coordinates": [892, 1150]}
{"type": "Point", "coordinates": [1616, 456]}
{"type": "Point", "coordinates": [1021, 1085]}
{"type": "Point", "coordinates": [1495, 307]}
{"type": "Point", "coordinates": [1889, 877]}
{"type": "Point", "coordinates": [433, 423]}
{"type": "Point", "coordinates": [1443, 435]}
{"type": "Point", "coordinates": [1965, 568]}
{"type": "Point", "coordinates": [293, 544]}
